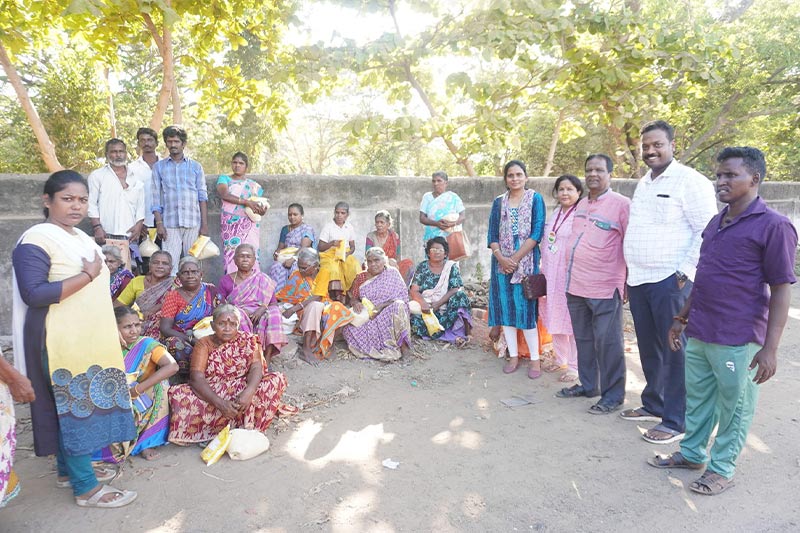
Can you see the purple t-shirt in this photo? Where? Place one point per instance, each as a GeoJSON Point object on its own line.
{"type": "Point", "coordinates": [730, 298]}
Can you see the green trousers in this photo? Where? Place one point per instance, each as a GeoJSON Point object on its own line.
{"type": "Point", "coordinates": [719, 390]}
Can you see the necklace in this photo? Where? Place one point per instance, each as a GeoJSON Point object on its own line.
{"type": "Point", "coordinates": [237, 280]}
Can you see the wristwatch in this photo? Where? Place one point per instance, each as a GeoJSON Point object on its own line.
{"type": "Point", "coordinates": [683, 278]}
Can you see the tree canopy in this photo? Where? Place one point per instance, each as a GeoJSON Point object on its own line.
{"type": "Point", "coordinates": [462, 87]}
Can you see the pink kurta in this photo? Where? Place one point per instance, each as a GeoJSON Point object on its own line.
{"type": "Point", "coordinates": [553, 308]}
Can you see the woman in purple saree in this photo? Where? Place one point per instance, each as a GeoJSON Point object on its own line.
{"type": "Point", "coordinates": [253, 294]}
{"type": "Point", "coordinates": [386, 336]}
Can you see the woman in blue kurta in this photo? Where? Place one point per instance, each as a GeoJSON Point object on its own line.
{"type": "Point", "coordinates": [65, 341]}
{"type": "Point", "coordinates": [516, 225]}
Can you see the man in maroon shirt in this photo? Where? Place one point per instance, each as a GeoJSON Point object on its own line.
{"type": "Point", "coordinates": [734, 319]}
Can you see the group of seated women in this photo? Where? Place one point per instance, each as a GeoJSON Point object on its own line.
{"type": "Point", "coordinates": [189, 382]}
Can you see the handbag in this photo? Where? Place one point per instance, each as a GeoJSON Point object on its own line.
{"type": "Point", "coordinates": [459, 245]}
{"type": "Point", "coordinates": [534, 286]}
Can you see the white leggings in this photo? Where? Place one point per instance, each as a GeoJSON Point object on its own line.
{"type": "Point", "coordinates": [531, 338]}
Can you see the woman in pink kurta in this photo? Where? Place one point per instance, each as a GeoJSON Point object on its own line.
{"type": "Point", "coordinates": [553, 307]}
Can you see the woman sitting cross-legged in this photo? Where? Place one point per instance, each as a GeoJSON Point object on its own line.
{"type": "Point", "coordinates": [227, 384]}
{"type": "Point", "coordinates": [183, 308]}
{"type": "Point", "coordinates": [152, 365]}
{"type": "Point", "coordinates": [438, 287]}
{"type": "Point", "coordinates": [253, 293]}
{"type": "Point", "coordinates": [148, 292]}
{"type": "Point", "coordinates": [319, 315]}
{"type": "Point", "coordinates": [387, 335]}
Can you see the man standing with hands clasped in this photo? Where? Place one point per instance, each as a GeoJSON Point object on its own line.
{"type": "Point", "coordinates": [179, 197]}
{"type": "Point", "coordinates": [734, 319]}
{"type": "Point", "coordinates": [670, 207]}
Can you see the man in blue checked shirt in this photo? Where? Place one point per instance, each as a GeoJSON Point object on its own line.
{"type": "Point", "coordinates": [179, 197]}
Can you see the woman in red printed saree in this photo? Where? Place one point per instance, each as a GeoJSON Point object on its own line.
{"type": "Point", "coordinates": [148, 292]}
{"type": "Point", "coordinates": [253, 293]}
{"type": "Point", "coordinates": [182, 309]}
{"type": "Point", "coordinates": [227, 385]}
{"type": "Point", "coordinates": [306, 293]}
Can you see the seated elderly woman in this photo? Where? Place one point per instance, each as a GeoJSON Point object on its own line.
{"type": "Point", "coordinates": [183, 308]}
{"type": "Point", "coordinates": [438, 287]}
{"type": "Point", "coordinates": [120, 276]}
{"type": "Point", "coordinates": [149, 365]}
{"type": "Point", "coordinates": [306, 293]}
{"type": "Point", "coordinates": [386, 336]}
{"type": "Point", "coordinates": [253, 293]}
{"type": "Point", "coordinates": [148, 292]}
{"type": "Point", "coordinates": [227, 384]}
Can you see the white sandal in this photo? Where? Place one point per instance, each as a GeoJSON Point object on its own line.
{"type": "Point", "coordinates": [94, 501]}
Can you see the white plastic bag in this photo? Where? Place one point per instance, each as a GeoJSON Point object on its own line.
{"type": "Point", "coordinates": [246, 444]}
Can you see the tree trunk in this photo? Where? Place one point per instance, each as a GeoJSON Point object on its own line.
{"type": "Point", "coordinates": [164, 44]}
{"type": "Point", "coordinates": [177, 110]}
{"type": "Point", "coordinates": [112, 116]}
{"type": "Point", "coordinates": [46, 147]}
{"type": "Point", "coordinates": [551, 154]}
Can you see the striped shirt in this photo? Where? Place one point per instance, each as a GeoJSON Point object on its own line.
{"type": "Point", "coordinates": [177, 189]}
{"type": "Point", "coordinates": [668, 216]}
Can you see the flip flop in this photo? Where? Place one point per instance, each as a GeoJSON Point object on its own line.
{"type": "Point", "coordinates": [551, 366]}
{"type": "Point", "coordinates": [671, 436]}
{"type": "Point", "coordinates": [127, 497]}
{"type": "Point", "coordinates": [711, 484]}
{"type": "Point", "coordinates": [639, 414]}
{"type": "Point", "coordinates": [102, 473]}
{"type": "Point", "coordinates": [673, 460]}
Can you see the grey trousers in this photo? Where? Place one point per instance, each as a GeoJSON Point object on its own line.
{"type": "Point", "coordinates": [597, 325]}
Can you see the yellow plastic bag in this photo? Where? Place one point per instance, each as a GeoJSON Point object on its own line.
{"type": "Point", "coordinates": [369, 306]}
{"type": "Point", "coordinates": [432, 323]}
{"type": "Point", "coordinates": [216, 448]}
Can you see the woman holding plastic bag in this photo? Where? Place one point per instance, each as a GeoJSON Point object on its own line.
{"type": "Point", "coordinates": [439, 291]}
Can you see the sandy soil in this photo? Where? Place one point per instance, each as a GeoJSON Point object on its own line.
{"type": "Point", "coordinates": [467, 462]}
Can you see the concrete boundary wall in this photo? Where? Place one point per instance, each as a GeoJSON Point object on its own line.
{"type": "Point", "coordinates": [20, 198]}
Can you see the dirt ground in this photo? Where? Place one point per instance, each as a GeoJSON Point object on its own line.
{"type": "Point", "coordinates": [467, 462]}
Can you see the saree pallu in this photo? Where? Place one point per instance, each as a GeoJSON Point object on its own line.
{"type": "Point", "coordinates": [149, 303]}
{"type": "Point", "coordinates": [454, 316]}
{"type": "Point", "coordinates": [248, 296]}
{"type": "Point", "coordinates": [290, 237]}
{"type": "Point", "coordinates": [335, 315]}
{"type": "Point", "coordinates": [201, 306]}
{"type": "Point", "coordinates": [195, 420]}
{"type": "Point", "coordinates": [9, 485]}
{"type": "Point", "coordinates": [84, 385]}
{"type": "Point", "coordinates": [119, 280]}
{"type": "Point", "coordinates": [382, 336]}
{"type": "Point", "coordinates": [152, 422]}
{"type": "Point", "coordinates": [344, 271]}
{"type": "Point", "coordinates": [235, 226]}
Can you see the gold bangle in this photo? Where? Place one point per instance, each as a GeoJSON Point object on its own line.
{"type": "Point", "coordinates": [136, 390]}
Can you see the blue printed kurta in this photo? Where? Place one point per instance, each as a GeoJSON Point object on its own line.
{"type": "Point", "coordinates": [507, 304]}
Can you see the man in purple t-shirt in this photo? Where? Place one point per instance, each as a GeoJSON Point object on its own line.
{"type": "Point", "coordinates": [734, 319]}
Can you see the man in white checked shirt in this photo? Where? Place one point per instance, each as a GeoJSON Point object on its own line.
{"type": "Point", "coordinates": [670, 209]}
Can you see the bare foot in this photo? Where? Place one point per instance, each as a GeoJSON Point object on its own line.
{"type": "Point", "coordinates": [150, 454]}
{"type": "Point", "coordinates": [307, 356]}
